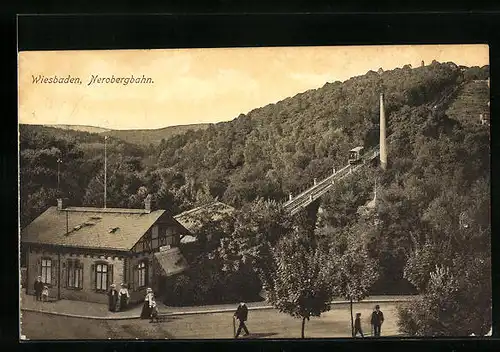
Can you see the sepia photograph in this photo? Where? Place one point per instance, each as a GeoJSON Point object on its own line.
{"type": "Point", "coordinates": [255, 193]}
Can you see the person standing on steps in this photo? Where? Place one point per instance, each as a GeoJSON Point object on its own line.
{"type": "Point", "coordinates": [377, 320]}
{"type": "Point", "coordinates": [242, 314]}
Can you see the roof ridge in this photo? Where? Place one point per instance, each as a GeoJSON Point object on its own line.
{"type": "Point", "coordinates": [197, 208]}
{"type": "Point", "coordinates": [108, 210]}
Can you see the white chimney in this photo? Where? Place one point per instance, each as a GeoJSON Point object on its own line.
{"type": "Point", "coordinates": [383, 140]}
{"type": "Point", "coordinates": [147, 203]}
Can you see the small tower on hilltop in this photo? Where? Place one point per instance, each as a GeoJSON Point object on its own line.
{"type": "Point", "coordinates": [423, 63]}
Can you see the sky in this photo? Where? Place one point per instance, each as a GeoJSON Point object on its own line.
{"type": "Point", "coordinates": [191, 86]}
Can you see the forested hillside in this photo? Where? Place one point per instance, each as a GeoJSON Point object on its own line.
{"type": "Point", "coordinates": [280, 148]}
{"type": "Point", "coordinates": [81, 156]}
{"type": "Point", "coordinates": [269, 152]}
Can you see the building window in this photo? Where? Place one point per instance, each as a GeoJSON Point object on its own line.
{"type": "Point", "coordinates": [75, 274]}
{"type": "Point", "coordinates": [142, 271]}
{"type": "Point", "coordinates": [101, 277]}
{"type": "Point", "coordinates": [46, 271]}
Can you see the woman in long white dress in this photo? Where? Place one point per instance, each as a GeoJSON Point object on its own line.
{"type": "Point", "coordinates": [123, 297]}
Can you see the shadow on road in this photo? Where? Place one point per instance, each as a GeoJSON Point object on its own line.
{"type": "Point", "coordinates": [260, 335]}
{"type": "Point", "coordinates": [166, 318]}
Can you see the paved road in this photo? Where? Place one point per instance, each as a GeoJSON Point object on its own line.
{"type": "Point", "coordinates": [262, 324]}
{"type": "Point", "coordinates": [81, 308]}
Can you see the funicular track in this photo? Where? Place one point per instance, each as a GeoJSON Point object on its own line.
{"type": "Point", "coordinates": [314, 192]}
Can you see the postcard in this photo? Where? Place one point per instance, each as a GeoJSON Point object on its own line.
{"type": "Point", "coordinates": [255, 193]}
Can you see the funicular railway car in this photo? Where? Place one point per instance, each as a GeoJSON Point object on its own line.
{"type": "Point", "coordinates": [355, 155]}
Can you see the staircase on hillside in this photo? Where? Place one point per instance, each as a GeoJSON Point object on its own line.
{"type": "Point", "coordinates": [313, 193]}
{"type": "Point", "coordinates": [471, 102]}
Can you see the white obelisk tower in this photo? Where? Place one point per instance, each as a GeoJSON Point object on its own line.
{"type": "Point", "coordinates": [383, 139]}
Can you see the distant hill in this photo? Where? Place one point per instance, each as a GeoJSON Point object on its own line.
{"type": "Point", "coordinates": [91, 143]}
{"type": "Point", "coordinates": [153, 136]}
{"type": "Point", "coordinates": [82, 128]}
{"type": "Point", "coordinates": [143, 137]}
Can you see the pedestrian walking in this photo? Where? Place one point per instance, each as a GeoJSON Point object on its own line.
{"type": "Point", "coordinates": [123, 296]}
{"type": "Point", "coordinates": [38, 287]}
{"type": "Point", "coordinates": [377, 320]}
{"type": "Point", "coordinates": [112, 298]}
{"type": "Point", "coordinates": [45, 293]}
{"type": "Point", "coordinates": [242, 314]}
{"type": "Point", "coordinates": [146, 310]}
{"type": "Point", "coordinates": [357, 325]}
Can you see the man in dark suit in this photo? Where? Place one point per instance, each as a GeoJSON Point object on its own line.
{"type": "Point", "coordinates": [242, 314]}
{"type": "Point", "coordinates": [38, 287]}
{"type": "Point", "coordinates": [377, 320]}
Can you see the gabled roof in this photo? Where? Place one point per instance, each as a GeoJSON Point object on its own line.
{"type": "Point", "coordinates": [215, 210]}
{"type": "Point", "coordinates": [110, 228]}
{"type": "Point", "coordinates": [171, 261]}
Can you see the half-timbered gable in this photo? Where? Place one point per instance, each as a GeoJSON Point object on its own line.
{"type": "Point", "coordinates": [166, 231]}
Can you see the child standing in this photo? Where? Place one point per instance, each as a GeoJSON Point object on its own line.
{"type": "Point", "coordinates": [45, 293]}
{"type": "Point", "coordinates": [154, 309]}
{"type": "Point", "coordinates": [357, 325]}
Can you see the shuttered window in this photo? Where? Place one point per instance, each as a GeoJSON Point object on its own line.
{"type": "Point", "coordinates": [46, 271]}
{"type": "Point", "coordinates": [101, 277]}
{"type": "Point", "coordinates": [74, 271]}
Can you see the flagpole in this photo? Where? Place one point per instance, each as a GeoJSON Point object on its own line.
{"type": "Point", "coordinates": [105, 169]}
{"type": "Point", "coordinates": [59, 161]}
